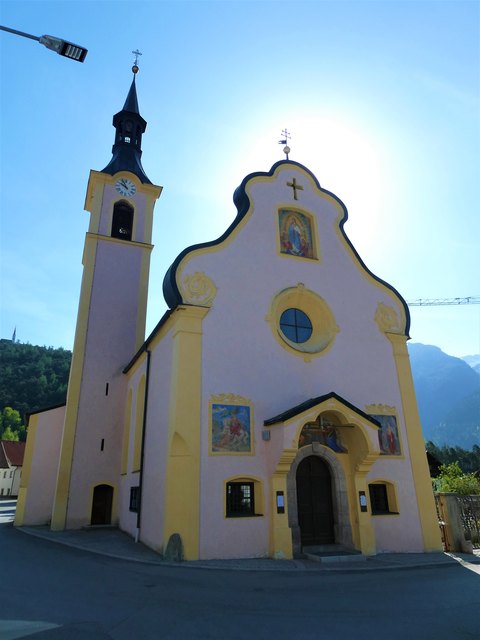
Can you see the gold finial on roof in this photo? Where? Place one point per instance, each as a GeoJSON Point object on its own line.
{"type": "Point", "coordinates": [135, 67]}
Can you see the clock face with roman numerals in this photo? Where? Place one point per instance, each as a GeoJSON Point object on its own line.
{"type": "Point", "coordinates": [125, 187]}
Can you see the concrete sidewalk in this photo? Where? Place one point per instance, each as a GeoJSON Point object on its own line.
{"type": "Point", "coordinates": [117, 544]}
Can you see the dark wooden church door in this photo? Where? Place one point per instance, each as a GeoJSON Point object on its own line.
{"type": "Point", "coordinates": [102, 504]}
{"type": "Point", "coordinates": [314, 502]}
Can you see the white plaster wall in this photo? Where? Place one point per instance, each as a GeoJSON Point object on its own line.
{"type": "Point", "coordinates": [111, 337]}
{"type": "Point", "coordinates": [43, 473]}
{"type": "Point", "coordinates": [400, 533]}
{"type": "Point", "coordinates": [241, 356]}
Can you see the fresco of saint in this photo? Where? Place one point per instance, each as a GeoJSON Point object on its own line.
{"type": "Point", "coordinates": [388, 439]}
{"type": "Point", "coordinates": [230, 429]}
{"type": "Point", "coordinates": [295, 234]}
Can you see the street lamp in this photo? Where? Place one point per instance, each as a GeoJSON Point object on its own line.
{"type": "Point", "coordinates": [62, 47]}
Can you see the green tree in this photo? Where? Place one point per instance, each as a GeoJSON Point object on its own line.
{"type": "Point", "coordinates": [10, 418]}
{"type": "Point", "coordinates": [8, 434]}
{"type": "Point", "coordinates": [469, 461]}
{"type": "Point", "coordinates": [453, 480]}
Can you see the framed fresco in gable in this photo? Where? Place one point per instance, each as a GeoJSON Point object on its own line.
{"type": "Point", "coordinates": [388, 438]}
{"type": "Point", "coordinates": [296, 234]}
{"type": "Point", "coordinates": [231, 430]}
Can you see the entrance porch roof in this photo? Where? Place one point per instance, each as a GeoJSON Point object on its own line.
{"type": "Point", "coordinates": [309, 404]}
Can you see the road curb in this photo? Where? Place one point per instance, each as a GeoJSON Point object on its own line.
{"type": "Point", "coordinates": [303, 566]}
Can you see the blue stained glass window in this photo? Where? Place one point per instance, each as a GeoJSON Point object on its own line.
{"type": "Point", "coordinates": [295, 325]}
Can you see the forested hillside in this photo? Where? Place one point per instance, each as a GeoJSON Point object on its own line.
{"type": "Point", "coordinates": [31, 378]}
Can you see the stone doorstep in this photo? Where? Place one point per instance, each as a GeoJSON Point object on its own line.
{"type": "Point", "coordinates": [332, 553]}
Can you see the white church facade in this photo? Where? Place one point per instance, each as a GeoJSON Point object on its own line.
{"type": "Point", "coordinates": [272, 408]}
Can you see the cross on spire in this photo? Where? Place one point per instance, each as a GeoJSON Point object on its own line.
{"type": "Point", "coordinates": [136, 54]}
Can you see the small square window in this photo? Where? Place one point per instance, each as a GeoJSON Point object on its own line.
{"type": "Point", "coordinates": [240, 499]}
{"type": "Point", "coordinates": [134, 499]}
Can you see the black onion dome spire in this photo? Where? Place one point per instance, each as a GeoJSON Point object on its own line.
{"type": "Point", "coordinates": [127, 149]}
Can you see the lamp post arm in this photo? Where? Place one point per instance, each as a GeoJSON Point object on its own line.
{"type": "Point", "coordinates": [62, 47]}
{"type": "Point", "coordinates": [20, 33]}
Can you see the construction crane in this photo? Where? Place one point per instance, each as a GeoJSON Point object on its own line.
{"type": "Point", "coordinates": [435, 302]}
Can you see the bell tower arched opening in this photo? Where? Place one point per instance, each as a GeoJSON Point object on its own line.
{"type": "Point", "coordinates": [122, 221]}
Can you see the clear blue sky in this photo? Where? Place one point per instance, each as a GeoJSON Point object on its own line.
{"type": "Point", "coordinates": [382, 99]}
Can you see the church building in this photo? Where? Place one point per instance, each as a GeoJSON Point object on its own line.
{"type": "Point", "coordinates": [272, 408]}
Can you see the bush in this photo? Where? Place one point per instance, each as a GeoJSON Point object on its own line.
{"type": "Point", "coordinates": [453, 480]}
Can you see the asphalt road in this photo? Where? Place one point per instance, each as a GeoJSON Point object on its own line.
{"type": "Point", "coordinates": [48, 591]}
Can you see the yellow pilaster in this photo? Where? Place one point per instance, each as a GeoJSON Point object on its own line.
{"type": "Point", "coordinates": [182, 491]}
{"type": "Point", "coordinates": [281, 532]}
{"type": "Point", "coordinates": [421, 475]}
{"type": "Point", "coordinates": [366, 533]}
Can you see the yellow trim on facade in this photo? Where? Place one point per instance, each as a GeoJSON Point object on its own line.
{"type": "Point", "coordinates": [182, 486]}
{"type": "Point", "coordinates": [26, 470]}
{"type": "Point", "coordinates": [324, 327]}
{"type": "Point", "coordinates": [192, 255]}
{"type": "Point", "coordinates": [421, 476]}
{"type": "Point", "coordinates": [129, 243]}
{"type": "Point", "coordinates": [97, 178]}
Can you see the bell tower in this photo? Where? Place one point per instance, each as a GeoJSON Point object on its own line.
{"type": "Point", "coordinates": [110, 326]}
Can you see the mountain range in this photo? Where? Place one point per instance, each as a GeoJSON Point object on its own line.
{"type": "Point", "coordinates": [448, 395]}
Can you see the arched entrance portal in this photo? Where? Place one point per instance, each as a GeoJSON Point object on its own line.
{"type": "Point", "coordinates": [102, 504]}
{"type": "Point", "coordinates": [314, 502]}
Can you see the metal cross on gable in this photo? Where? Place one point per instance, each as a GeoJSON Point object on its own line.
{"type": "Point", "coordinates": [296, 187]}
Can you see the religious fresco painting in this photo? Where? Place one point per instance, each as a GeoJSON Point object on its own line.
{"type": "Point", "coordinates": [324, 433]}
{"type": "Point", "coordinates": [296, 238]}
{"type": "Point", "coordinates": [231, 429]}
{"type": "Point", "coordinates": [388, 439]}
